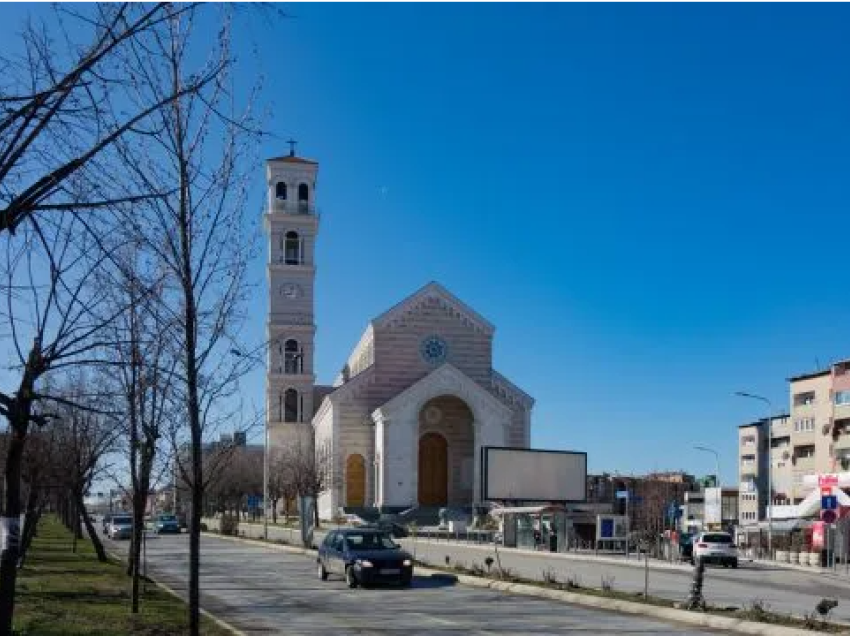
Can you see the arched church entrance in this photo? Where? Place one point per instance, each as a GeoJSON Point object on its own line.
{"type": "Point", "coordinates": [446, 452]}
{"type": "Point", "coordinates": [355, 480]}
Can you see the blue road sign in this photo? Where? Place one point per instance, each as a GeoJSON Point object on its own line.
{"type": "Point", "coordinates": [829, 502]}
{"type": "Point", "coordinates": [254, 501]}
{"type": "Point", "coordinates": [622, 494]}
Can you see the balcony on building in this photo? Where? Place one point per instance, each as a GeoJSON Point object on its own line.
{"type": "Point", "coordinates": [804, 400]}
{"type": "Point", "coordinates": [841, 439]}
{"type": "Point", "coordinates": [803, 458]}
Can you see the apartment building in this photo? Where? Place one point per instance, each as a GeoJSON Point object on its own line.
{"type": "Point", "coordinates": [820, 433]}
{"type": "Point", "coordinates": [753, 441]}
{"type": "Point", "coordinates": [813, 439]}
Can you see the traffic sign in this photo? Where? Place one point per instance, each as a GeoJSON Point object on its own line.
{"type": "Point", "coordinates": [622, 494]}
{"type": "Point", "coordinates": [829, 502]}
{"type": "Point", "coordinates": [828, 516]}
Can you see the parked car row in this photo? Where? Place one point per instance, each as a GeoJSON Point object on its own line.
{"type": "Point", "coordinates": [120, 525]}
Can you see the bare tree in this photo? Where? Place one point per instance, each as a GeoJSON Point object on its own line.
{"type": "Point", "coordinates": [54, 321]}
{"type": "Point", "coordinates": [85, 436]}
{"type": "Point", "coordinates": [143, 370]}
{"type": "Point", "coordinates": [199, 153]}
{"type": "Point", "coordinates": [313, 470]}
{"type": "Point", "coordinates": [59, 108]}
{"type": "Point", "coordinates": [283, 485]}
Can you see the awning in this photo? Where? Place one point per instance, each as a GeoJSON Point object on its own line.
{"type": "Point", "coordinates": [783, 525]}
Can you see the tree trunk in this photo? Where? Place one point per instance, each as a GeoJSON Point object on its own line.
{"type": "Point", "coordinates": [30, 531]}
{"type": "Point", "coordinates": [74, 519]}
{"type": "Point", "coordinates": [33, 512]}
{"type": "Point", "coordinates": [11, 518]}
{"type": "Point", "coordinates": [274, 510]}
{"type": "Point", "coordinates": [139, 504]}
{"type": "Point", "coordinates": [95, 539]}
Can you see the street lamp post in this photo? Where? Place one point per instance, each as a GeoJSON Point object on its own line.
{"type": "Point", "coordinates": [297, 359]}
{"type": "Point", "coordinates": [770, 413]}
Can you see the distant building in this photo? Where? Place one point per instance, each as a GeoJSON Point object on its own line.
{"type": "Point", "coordinates": [813, 439]}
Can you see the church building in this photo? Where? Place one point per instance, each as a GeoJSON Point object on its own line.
{"type": "Point", "coordinates": [417, 398]}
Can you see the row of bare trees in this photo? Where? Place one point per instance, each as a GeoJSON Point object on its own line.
{"type": "Point", "coordinates": [293, 471]}
{"type": "Point", "coordinates": [125, 151]}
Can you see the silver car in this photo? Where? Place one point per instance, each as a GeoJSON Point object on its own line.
{"type": "Point", "coordinates": [716, 547]}
{"type": "Point", "coordinates": [121, 527]}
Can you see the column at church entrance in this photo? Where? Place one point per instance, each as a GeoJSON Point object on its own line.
{"type": "Point", "coordinates": [446, 453]}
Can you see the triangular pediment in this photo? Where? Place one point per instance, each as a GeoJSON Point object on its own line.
{"type": "Point", "coordinates": [445, 380]}
{"type": "Point", "coordinates": [435, 292]}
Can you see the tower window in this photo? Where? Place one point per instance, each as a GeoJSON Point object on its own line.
{"type": "Point", "coordinates": [280, 190]}
{"type": "Point", "coordinates": [290, 405]}
{"type": "Point", "coordinates": [292, 249]}
{"type": "Point", "coordinates": [303, 193]}
{"type": "Point", "coordinates": [292, 358]}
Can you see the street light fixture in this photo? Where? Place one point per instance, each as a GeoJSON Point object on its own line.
{"type": "Point", "coordinates": [716, 461]}
{"type": "Point", "coordinates": [770, 414]}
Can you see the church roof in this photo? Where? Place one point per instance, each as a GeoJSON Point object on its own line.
{"type": "Point", "coordinates": [294, 159]}
{"type": "Point", "coordinates": [434, 290]}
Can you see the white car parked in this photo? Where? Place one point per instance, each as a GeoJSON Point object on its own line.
{"type": "Point", "coordinates": [716, 547]}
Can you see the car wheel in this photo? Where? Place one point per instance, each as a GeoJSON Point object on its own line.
{"type": "Point", "coordinates": [350, 577]}
{"type": "Point", "coordinates": [323, 573]}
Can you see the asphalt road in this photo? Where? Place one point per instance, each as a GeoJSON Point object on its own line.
{"type": "Point", "coordinates": [784, 590]}
{"type": "Point", "coordinates": [261, 590]}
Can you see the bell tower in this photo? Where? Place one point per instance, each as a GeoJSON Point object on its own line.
{"type": "Point", "coordinates": [291, 224]}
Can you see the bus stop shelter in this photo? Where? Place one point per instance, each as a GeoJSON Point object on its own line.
{"type": "Point", "coordinates": [534, 527]}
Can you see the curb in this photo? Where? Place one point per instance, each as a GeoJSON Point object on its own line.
{"type": "Point", "coordinates": [565, 556]}
{"type": "Point", "coordinates": [215, 619]}
{"type": "Point", "coordinates": [667, 614]}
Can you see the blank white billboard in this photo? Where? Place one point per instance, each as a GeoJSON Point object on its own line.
{"type": "Point", "coordinates": [523, 474]}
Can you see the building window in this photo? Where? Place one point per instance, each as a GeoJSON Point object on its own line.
{"type": "Point", "coordinates": [290, 405]}
{"type": "Point", "coordinates": [280, 191]}
{"type": "Point", "coordinates": [292, 358]}
{"type": "Point", "coordinates": [303, 193]}
{"type": "Point", "coordinates": [804, 425]}
{"type": "Point", "coordinates": [292, 249]}
{"type": "Point", "coordinates": [842, 397]}
{"type": "Point", "coordinates": [748, 440]}
{"type": "Point", "coordinates": [803, 452]}
{"type": "Point", "coordinates": [748, 460]}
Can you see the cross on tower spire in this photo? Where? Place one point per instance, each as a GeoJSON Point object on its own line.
{"type": "Point", "coordinates": [292, 144]}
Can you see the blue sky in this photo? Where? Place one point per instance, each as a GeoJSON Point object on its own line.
{"type": "Point", "coordinates": [649, 201]}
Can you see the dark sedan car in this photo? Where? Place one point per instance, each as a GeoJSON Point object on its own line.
{"type": "Point", "coordinates": [364, 557]}
{"type": "Point", "coordinates": [167, 524]}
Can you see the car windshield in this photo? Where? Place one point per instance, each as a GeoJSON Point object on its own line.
{"type": "Point", "coordinates": [716, 538]}
{"type": "Point", "coordinates": [369, 541]}
{"type": "Point", "coordinates": [168, 518]}
{"type": "Point", "coordinates": [126, 521]}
